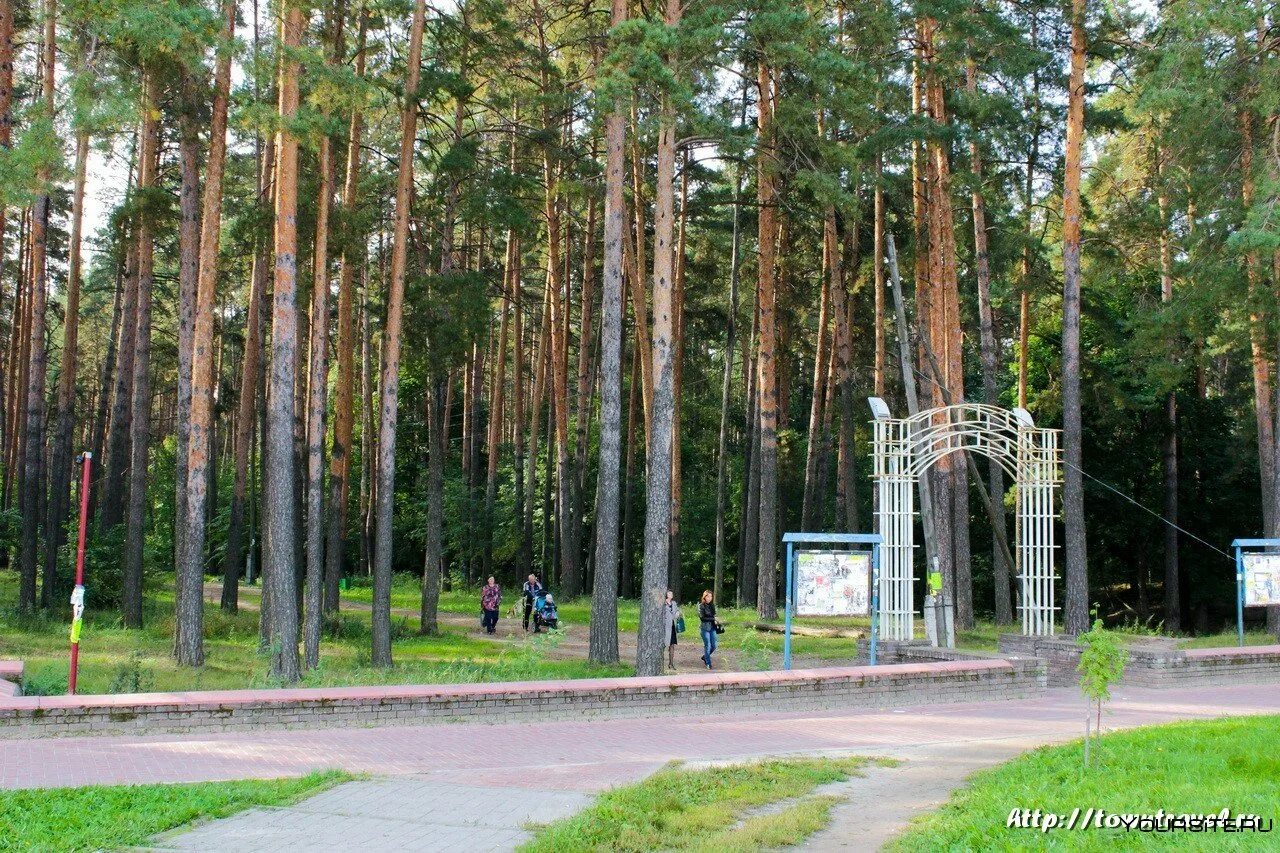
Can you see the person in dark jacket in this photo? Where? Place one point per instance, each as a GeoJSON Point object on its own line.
{"type": "Point", "coordinates": [707, 626]}
{"type": "Point", "coordinates": [530, 591]}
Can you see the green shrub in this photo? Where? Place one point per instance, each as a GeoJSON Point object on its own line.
{"type": "Point", "coordinates": [132, 677]}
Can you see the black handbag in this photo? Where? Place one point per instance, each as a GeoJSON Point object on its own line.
{"type": "Point", "coordinates": [718, 627]}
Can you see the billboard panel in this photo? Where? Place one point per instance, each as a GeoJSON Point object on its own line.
{"type": "Point", "coordinates": [833, 583]}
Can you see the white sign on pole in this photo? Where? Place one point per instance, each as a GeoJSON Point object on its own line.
{"type": "Point", "coordinates": [1261, 579]}
{"type": "Point", "coordinates": [833, 583]}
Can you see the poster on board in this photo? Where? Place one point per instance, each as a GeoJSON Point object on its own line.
{"type": "Point", "coordinates": [833, 583]}
{"type": "Point", "coordinates": [1261, 579]}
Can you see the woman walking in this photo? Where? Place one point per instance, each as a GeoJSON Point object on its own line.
{"type": "Point", "coordinates": [707, 626]}
{"type": "Point", "coordinates": [490, 601]}
{"type": "Point", "coordinates": [672, 624]}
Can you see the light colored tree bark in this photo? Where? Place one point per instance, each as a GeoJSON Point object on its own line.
{"type": "Point", "coordinates": [140, 406]}
{"type": "Point", "coordinates": [390, 384]}
{"type": "Point", "coordinates": [603, 640]}
{"type": "Point", "coordinates": [279, 468]}
{"type": "Point", "coordinates": [1076, 610]}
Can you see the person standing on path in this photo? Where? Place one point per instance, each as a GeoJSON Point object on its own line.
{"type": "Point", "coordinates": [707, 626]}
{"type": "Point", "coordinates": [530, 591]}
{"type": "Point", "coordinates": [490, 601]}
{"type": "Point", "coordinates": [672, 624]}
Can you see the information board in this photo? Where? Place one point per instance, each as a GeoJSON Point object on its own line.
{"type": "Point", "coordinates": [1261, 579]}
{"type": "Point", "coordinates": [833, 583]}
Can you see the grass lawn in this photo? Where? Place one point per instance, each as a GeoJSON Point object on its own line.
{"type": "Point", "coordinates": [112, 816]}
{"type": "Point", "coordinates": [709, 809]}
{"type": "Point", "coordinates": [116, 660]}
{"type": "Point", "coordinates": [1229, 639]}
{"type": "Point", "coordinates": [1182, 768]}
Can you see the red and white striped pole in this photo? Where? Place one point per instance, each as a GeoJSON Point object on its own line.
{"type": "Point", "coordinates": [77, 594]}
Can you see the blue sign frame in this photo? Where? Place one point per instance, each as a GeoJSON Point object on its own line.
{"type": "Point", "coordinates": [792, 539]}
{"type": "Point", "coordinates": [1241, 545]}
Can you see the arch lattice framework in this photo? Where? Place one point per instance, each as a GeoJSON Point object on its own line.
{"type": "Point", "coordinates": [904, 448]}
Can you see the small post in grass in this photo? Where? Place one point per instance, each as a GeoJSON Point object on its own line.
{"type": "Point", "coordinates": [85, 460]}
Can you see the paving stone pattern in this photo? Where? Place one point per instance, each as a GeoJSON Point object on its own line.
{"type": "Point", "coordinates": [401, 814]}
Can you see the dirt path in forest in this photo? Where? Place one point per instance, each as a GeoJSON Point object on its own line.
{"type": "Point", "coordinates": [572, 642]}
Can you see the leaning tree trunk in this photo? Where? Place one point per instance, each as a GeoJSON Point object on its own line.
{"type": "Point", "coordinates": [390, 385]}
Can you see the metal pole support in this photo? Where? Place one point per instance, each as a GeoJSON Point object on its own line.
{"type": "Point", "coordinates": [786, 637]}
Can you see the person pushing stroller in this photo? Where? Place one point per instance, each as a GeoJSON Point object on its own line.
{"type": "Point", "coordinates": [531, 590]}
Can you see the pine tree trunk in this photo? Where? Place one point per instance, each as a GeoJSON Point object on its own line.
{"type": "Point", "coordinates": [816, 399]}
{"type": "Point", "coordinates": [105, 377]}
{"type": "Point", "coordinates": [140, 407]}
{"type": "Point", "coordinates": [657, 531]}
{"type": "Point", "coordinates": [250, 369]}
{"type": "Point", "coordinates": [570, 577]}
{"type": "Point", "coordinates": [190, 568]}
{"type": "Point", "coordinates": [1028, 197]}
{"type": "Point", "coordinates": [437, 437]}
{"type": "Point", "coordinates": [626, 583]}
{"type": "Point", "coordinates": [188, 284]}
{"type": "Point", "coordinates": [749, 540]}
{"type": "Point", "coordinates": [722, 443]}
{"type": "Point", "coordinates": [675, 571]}
{"type": "Point", "coordinates": [60, 467]}
{"type": "Point", "coordinates": [497, 387]}
{"type": "Point", "coordinates": [390, 384]}
{"type": "Point", "coordinates": [585, 376]}
{"type": "Point", "coordinates": [602, 645]}
{"type": "Point", "coordinates": [843, 309]}
{"type": "Point", "coordinates": [114, 490]}
{"type": "Point", "coordinates": [1169, 444]}
{"type": "Point", "coordinates": [1076, 611]}
{"type": "Point", "coordinates": [33, 451]}
{"type": "Point", "coordinates": [280, 556]}
{"type": "Point", "coordinates": [767, 574]}
{"type": "Point", "coordinates": [988, 347]}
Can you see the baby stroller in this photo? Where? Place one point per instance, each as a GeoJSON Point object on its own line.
{"type": "Point", "coordinates": [545, 614]}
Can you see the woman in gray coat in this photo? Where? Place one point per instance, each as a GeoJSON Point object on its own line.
{"type": "Point", "coordinates": [670, 617]}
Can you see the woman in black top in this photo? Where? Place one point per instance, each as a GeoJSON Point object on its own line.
{"type": "Point", "coordinates": [707, 625]}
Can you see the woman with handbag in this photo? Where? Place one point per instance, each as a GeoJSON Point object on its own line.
{"type": "Point", "coordinates": [672, 625]}
{"type": "Point", "coordinates": [708, 626]}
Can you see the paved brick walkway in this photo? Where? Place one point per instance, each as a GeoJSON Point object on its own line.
{"type": "Point", "coordinates": [401, 813]}
{"type": "Point", "coordinates": [476, 785]}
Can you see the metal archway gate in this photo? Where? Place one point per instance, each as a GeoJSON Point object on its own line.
{"type": "Point", "coordinates": [904, 448]}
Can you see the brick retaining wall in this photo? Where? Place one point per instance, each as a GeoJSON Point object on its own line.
{"type": "Point", "coordinates": [1154, 667]}
{"type": "Point", "coordinates": [714, 693]}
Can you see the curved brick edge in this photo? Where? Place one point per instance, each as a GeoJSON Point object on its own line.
{"type": "Point", "coordinates": [10, 678]}
{"type": "Point", "coordinates": [747, 692]}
